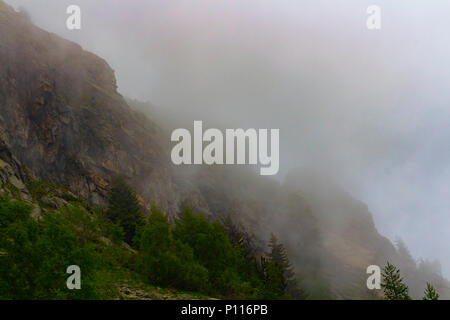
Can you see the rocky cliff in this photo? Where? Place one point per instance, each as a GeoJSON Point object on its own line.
{"type": "Point", "coordinates": [63, 119]}
{"type": "Point", "coordinates": [61, 116]}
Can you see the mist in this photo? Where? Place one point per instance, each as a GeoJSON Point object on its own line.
{"type": "Point", "coordinates": [368, 108]}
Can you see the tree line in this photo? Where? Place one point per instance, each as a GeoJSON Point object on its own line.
{"type": "Point", "coordinates": [394, 287]}
{"type": "Point", "coordinates": [195, 254]}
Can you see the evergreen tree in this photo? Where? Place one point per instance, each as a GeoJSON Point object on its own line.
{"type": "Point", "coordinates": [274, 284]}
{"type": "Point", "coordinates": [249, 269]}
{"type": "Point", "coordinates": [240, 238]}
{"type": "Point", "coordinates": [124, 208]}
{"type": "Point", "coordinates": [406, 263]}
{"type": "Point", "coordinates": [393, 286]}
{"type": "Point", "coordinates": [430, 293]}
{"type": "Point", "coordinates": [289, 282]}
{"type": "Point", "coordinates": [405, 255]}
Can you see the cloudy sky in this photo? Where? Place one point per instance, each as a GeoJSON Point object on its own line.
{"type": "Point", "coordinates": [371, 108]}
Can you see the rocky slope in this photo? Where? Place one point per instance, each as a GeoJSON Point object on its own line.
{"type": "Point", "coordinates": [13, 176]}
{"type": "Point", "coordinates": [61, 116]}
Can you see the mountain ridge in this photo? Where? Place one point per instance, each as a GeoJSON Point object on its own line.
{"type": "Point", "coordinates": [63, 119]}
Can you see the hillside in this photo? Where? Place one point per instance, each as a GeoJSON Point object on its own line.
{"type": "Point", "coordinates": [63, 122]}
{"type": "Point", "coordinates": [44, 202]}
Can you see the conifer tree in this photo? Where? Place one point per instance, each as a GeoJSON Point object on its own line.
{"type": "Point", "coordinates": [405, 255]}
{"type": "Point", "coordinates": [280, 257]}
{"type": "Point", "coordinates": [430, 293]}
{"type": "Point", "coordinates": [124, 208]}
{"type": "Point", "coordinates": [393, 286]}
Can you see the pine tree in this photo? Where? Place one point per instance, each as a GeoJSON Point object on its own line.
{"type": "Point", "coordinates": [393, 286]}
{"type": "Point", "coordinates": [280, 257]}
{"type": "Point", "coordinates": [274, 282]}
{"type": "Point", "coordinates": [430, 293]}
{"type": "Point", "coordinates": [124, 208]}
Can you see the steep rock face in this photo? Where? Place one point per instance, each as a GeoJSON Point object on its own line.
{"type": "Point", "coordinates": [330, 236]}
{"type": "Point", "coordinates": [62, 117]}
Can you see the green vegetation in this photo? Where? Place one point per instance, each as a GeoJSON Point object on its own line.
{"type": "Point", "coordinates": [190, 255]}
{"type": "Point", "coordinates": [214, 259]}
{"type": "Point", "coordinates": [35, 255]}
{"type": "Point", "coordinates": [40, 190]}
{"type": "Point", "coordinates": [166, 260]}
{"type": "Point", "coordinates": [14, 190]}
{"type": "Point", "coordinates": [197, 255]}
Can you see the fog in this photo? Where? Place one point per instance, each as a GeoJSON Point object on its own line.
{"type": "Point", "coordinates": [370, 108]}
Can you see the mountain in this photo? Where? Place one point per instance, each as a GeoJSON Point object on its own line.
{"type": "Point", "coordinates": [62, 117]}
{"type": "Point", "coordinates": [62, 121]}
